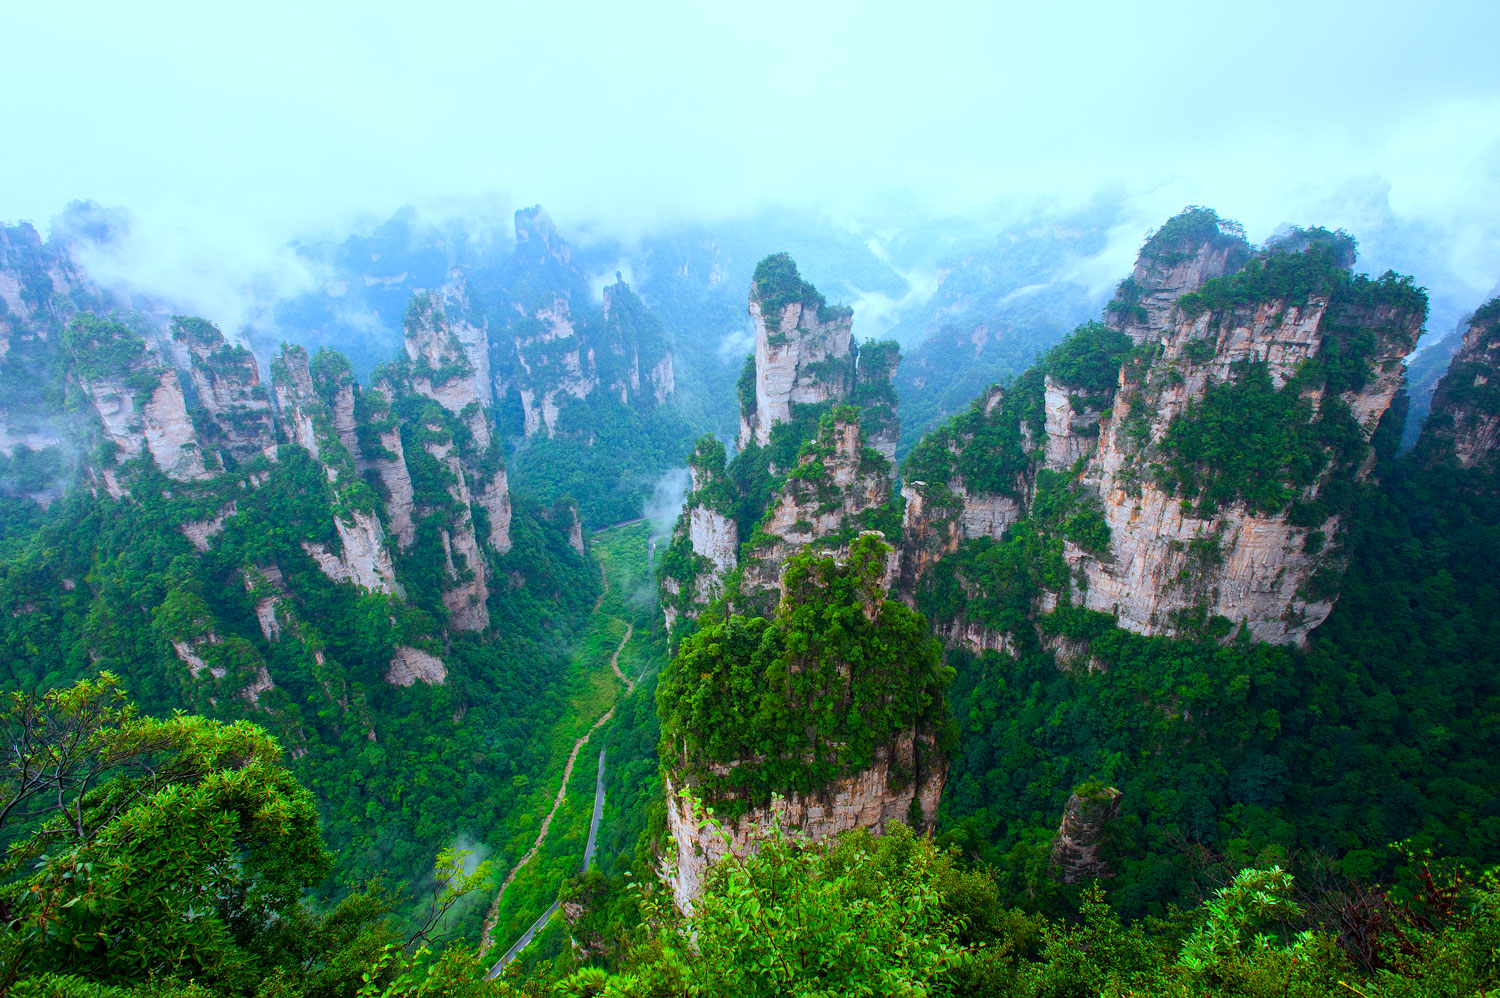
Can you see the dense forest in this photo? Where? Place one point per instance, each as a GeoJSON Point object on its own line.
{"type": "Point", "coordinates": [338, 683]}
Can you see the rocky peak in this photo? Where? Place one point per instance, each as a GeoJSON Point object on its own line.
{"type": "Point", "coordinates": [537, 238]}
{"type": "Point", "coordinates": [837, 481]}
{"type": "Point", "coordinates": [705, 542]}
{"type": "Point", "coordinates": [298, 402]}
{"type": "Point", "coordinates": [1189, 250]}
{"type": "Point", "coordinates": [1076, 849]}
{"type": "Point", "coordinates": [1192, 458]}
{"type": "Point", "coordinates": [875, 394]}
{"type": "Point", "coordinates": [449, 351]}
{"type": "Point", "coordinates": [633, 357]}
{"type": "Point", "coordinates": [39, 283]}
{"type": "Point", "coordinates": [1465, 420]}
{"type": "Point", "coordinates": [802, 349]}
{"type": "Point", "coordinates": [227, 381]}
{"type": "Point", "coordinates": [833, 647]}
{"type": "Point", "coordinates": [1215, 461]}
{"type": "Point", "coordinates": [137, 398]}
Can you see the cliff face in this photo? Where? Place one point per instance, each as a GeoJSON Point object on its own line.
{"type": "Point", "coordinates": [449, 352]}
{"type": "Point", "coordinates": [313, 409]}
{"type": "Point", "coordinates": [1465, 420]}
{"type": "Point", "coordinates": [837, 478]}
{"type": "Point", "coordinates": [1190, 458]}
{"type": "Point", "coordinates": [802, 352]}
{"type": "Point", "coordinates": [787, 346]}
{"type": "Point", "coordinates": [1249, 558]}
{"type": "Point", "coordinates": [818, 433]}
{"type": "Point", "coordinates": [39, 291]}
{"type": "Point", "coordinates": [467, 589]}
{"type": "Point", "coordinates": [137, 398]}
{"type": "Point", "coordinates": [705, 542]}
{"type": "Point", "coordinates": [385, 455]}
{"type": "Point", "coordinates": [873, 798]}
{"type": "Point", "coordinates": [1183, 255]}
{"type": "Point", "coordinates": [557, 349]}
{"type": "Point", "coordinates": [227, 381]}
{"type": "Point", "coordinates": [632, 356]}
{"type": "Point", "coordinates": [1076, 848]}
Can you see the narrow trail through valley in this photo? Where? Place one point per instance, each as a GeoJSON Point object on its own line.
{"type": "Point", "coordinates": [614, 661]}
{"type": "Point", "coordinates": [486, 937]}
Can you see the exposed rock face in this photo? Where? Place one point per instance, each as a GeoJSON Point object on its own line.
{"type": "Point", "coordinates": [801, 357]}
{"type": "Point", "coordinates": [840, 479]}
{"type": "Point", "coordinates": [1168, 557]}
{"type": "Point", "coordinates": [397, 482]}
{"type": "Point", "coordinates": [632, 356]}
{"type": "Point", "coordinates": [705, 542]}
{"type": "Point", "coordinates": [411, 665]}
{"type": "Point", "coordinates": [715, 537]}
{"type": "Point", "coordinates": [259, 684]}
{"type": "Point", "coordinates": [942, 514]}
{"type": "Point", "coordinates": [1465, 420]}
{"type": "Point", "coordinates": [200, 532]}
{"type": "Point", "coordinates": [467, 570]}
{"type": "Point", "coordinates": [929, 532]}
{"type": "Point", "coordinates": [227, 380]}
{"type": "Point", "coordinates": [449, 352]}
{"type": "Point", "coordinates": [296, 399]}
{"type": "Point", "coordinates": [187, 652]}
{"type": "Point", "coordinates": [805, 363]}
{"type": "Point", "coordinates": [555, 367]}
{"type": "Point", "coordinates": [1070, 433]}
{"type": "Point", "coordinates": [341, 408]}
{"type": "Point", "coordinates": [313, 408]}
{"type": "Point", "coordinates": [1297, 383]}
{"type": "Point", "coordinates": [494, 497]}
{"type": "Point", "coordinates": [156, 420]}
{"type": "Point", "coordinates": [1182, 256]}
{"type": "Point", "coordinates": [875, 394]}
{"type": "Point", "coordinates": [872, 798]}
{"type": "Point", "coordinates": [364, 559]}
{"type": "Point", "coordinates": [1075, 850]}
{"type": "Point", "coordinates": [557, 349]}
{"type": "Point", "coordinates": [169, 431]}
{"type": "Point", "coordinates": [267, 586]}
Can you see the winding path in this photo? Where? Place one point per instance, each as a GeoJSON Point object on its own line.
{"type": "Point", "coordinates": [546, 916]}
{"type": "Point", "coordinates": [486, 939]}
{"type": "Point", "coordinates": [614, 662]}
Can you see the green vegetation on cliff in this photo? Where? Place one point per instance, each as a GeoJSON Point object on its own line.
{"type": "Point", "coordinates": [791, 703]}
{"type": "Point", "coordinates": [777, 284]}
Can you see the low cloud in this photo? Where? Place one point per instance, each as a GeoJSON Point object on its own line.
{"type": "Point", "coordinates": [736, 344]}
{"type": "Point", "coordinates": [232, 274]}
{"type": "Point", "coordinates": [620, 269]}
{"type": "Point", "coordinates": [665, 504]}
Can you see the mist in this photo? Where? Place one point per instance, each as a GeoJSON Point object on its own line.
{"type": "Point", "coordinates": [235, 147]}
{"type": "Point", "coordinates": [667, 498]}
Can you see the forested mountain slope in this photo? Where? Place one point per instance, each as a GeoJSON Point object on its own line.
{"type": "Point", "coordinates": [342, 563]}
{"type": "Point", "coordinates": [1125, 546]}
{"type": "Point", "coordinates": [1166, 618]}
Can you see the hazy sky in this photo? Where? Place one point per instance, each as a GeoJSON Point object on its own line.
{"type": "Point", "coordinates": [244, 124]}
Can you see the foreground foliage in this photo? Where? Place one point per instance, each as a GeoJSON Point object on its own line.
{"type": "Point", "coordinates": [896, 915]}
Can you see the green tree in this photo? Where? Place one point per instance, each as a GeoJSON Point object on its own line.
{"type": "Point", "coordinates": [140, 846]}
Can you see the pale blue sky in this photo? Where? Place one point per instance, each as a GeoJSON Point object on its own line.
{"type": "Point", "coordinates": [228, 127]}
